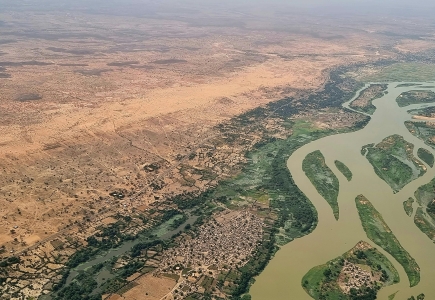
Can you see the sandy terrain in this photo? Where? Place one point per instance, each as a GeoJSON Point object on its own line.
{"type": "Point", "coordinates": [423, 118]}
{"type": "Point", "coordinates": [87, 100]}
{"type": "Point", "coordinates": [149, 288]}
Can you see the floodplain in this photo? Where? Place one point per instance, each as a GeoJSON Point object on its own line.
{"type": "Point", "coordinates": [386, 223]}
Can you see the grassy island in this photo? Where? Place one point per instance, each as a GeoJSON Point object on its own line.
{"type": "Point", "coordinates": [393, 161]}
{"type": "Point", "coordinates": [415, 97]}
{"type": "Point", "coordinates": [426, 156]}
{"type": "Point", "coordinates": [424, 111]}
{"type": "Point", "coordinates": [423, 130]}
{"type": "Point", "coordinates": [407, 84]}
{"type": "Point", "coordinates": [357, 274]}
{"type": "Point", "coordinates": [323, 179]}
{"type": "Point", "coordinates": [363, 102]}
{"type": "Point", "coordinates": [407, 206]}
{"type": "Point", "coordinates": [344, 170]}
{"type": "Point", "coordinates": [425, 215]}
{"type": "Point", "coordinates": [425, 222]}
{"type": "Point", "coordinates": [379, 232]}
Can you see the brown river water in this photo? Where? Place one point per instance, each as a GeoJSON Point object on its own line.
{"type": "Point", "coordinates": [282, 277]}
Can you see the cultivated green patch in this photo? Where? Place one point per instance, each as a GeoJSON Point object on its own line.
{"type": "Point", "coordinates": [267, 182]}
{"type": "Point", "coordinates": [379, 232]}
{"type": "Point", "coordinates": [393, 161]}
{"type": "Point", "coordinates": [415, 97]}
{"type": "Point", "coordinates": [407, 206]}
{"type": "Point", "coordinates": [425, 156]}
{"type": "Point", "coordinates": [401, 72]}
{"type": "Point", "coordinates": [329, 281]}
{"type": "Point", "coordinates": [323, 179]}
{"type": "Point", "coordinates": [343, 169]}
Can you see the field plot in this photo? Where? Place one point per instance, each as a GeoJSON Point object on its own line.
{"type": "Point", "coordinates": [149, 287]}
{"type": "Point", "coordinates": [394, 162]}
{"type": "Point", "coordinates": [379, 232]}
{"type": "Point", "coordinates": [323, 179]}
{"type": "Point", "coordinates": [360, 272]}
{"type": "Point", "coordinates": [415, 97]}
{"type": "Point", "coordinates": [364, 101]}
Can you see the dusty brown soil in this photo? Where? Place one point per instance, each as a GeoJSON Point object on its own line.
{"type": "Point", "coordinates": [87, 100]}
{"type": "Point", "coordinates": [150, 288]}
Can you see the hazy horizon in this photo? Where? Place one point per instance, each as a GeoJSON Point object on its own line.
{"type": "Point", "coordinates": [335, 6]}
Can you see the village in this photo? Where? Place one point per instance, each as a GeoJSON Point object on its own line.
{"type": "Point", "coordinates": [224, 244]}
{"type": "Point", "coordinates": [35, 271]}
{"type": "Point", "coordinates": [227, 240]}
{"type": "Point", "coordinates": [353, 276]}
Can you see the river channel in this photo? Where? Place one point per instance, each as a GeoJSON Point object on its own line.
{"type": "Point", "coordinates": [282, 277]}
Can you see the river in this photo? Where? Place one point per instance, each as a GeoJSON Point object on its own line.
{"type": "Point", "coordinates": [282, 277]}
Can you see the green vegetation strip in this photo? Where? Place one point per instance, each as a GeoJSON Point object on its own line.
{"type": "Point", "coordinates": [343, 169]}
{"type": "Point", "coordinates": [393, 161]}
{"type": "Point", "coordinates": [379, 232]}
{"type": "Point", "coordinates": [323, 179]}
{"type": "Point", "coordinates": [407, 206]}
{"type": "Point", "coordinates": [426, 156]}
{"type": "Point", "coordinates": [407, 85]}
{"type": "Point", "coordinates": [401, 72]}
{"type": "Point", "coordinates": [323, 282]}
